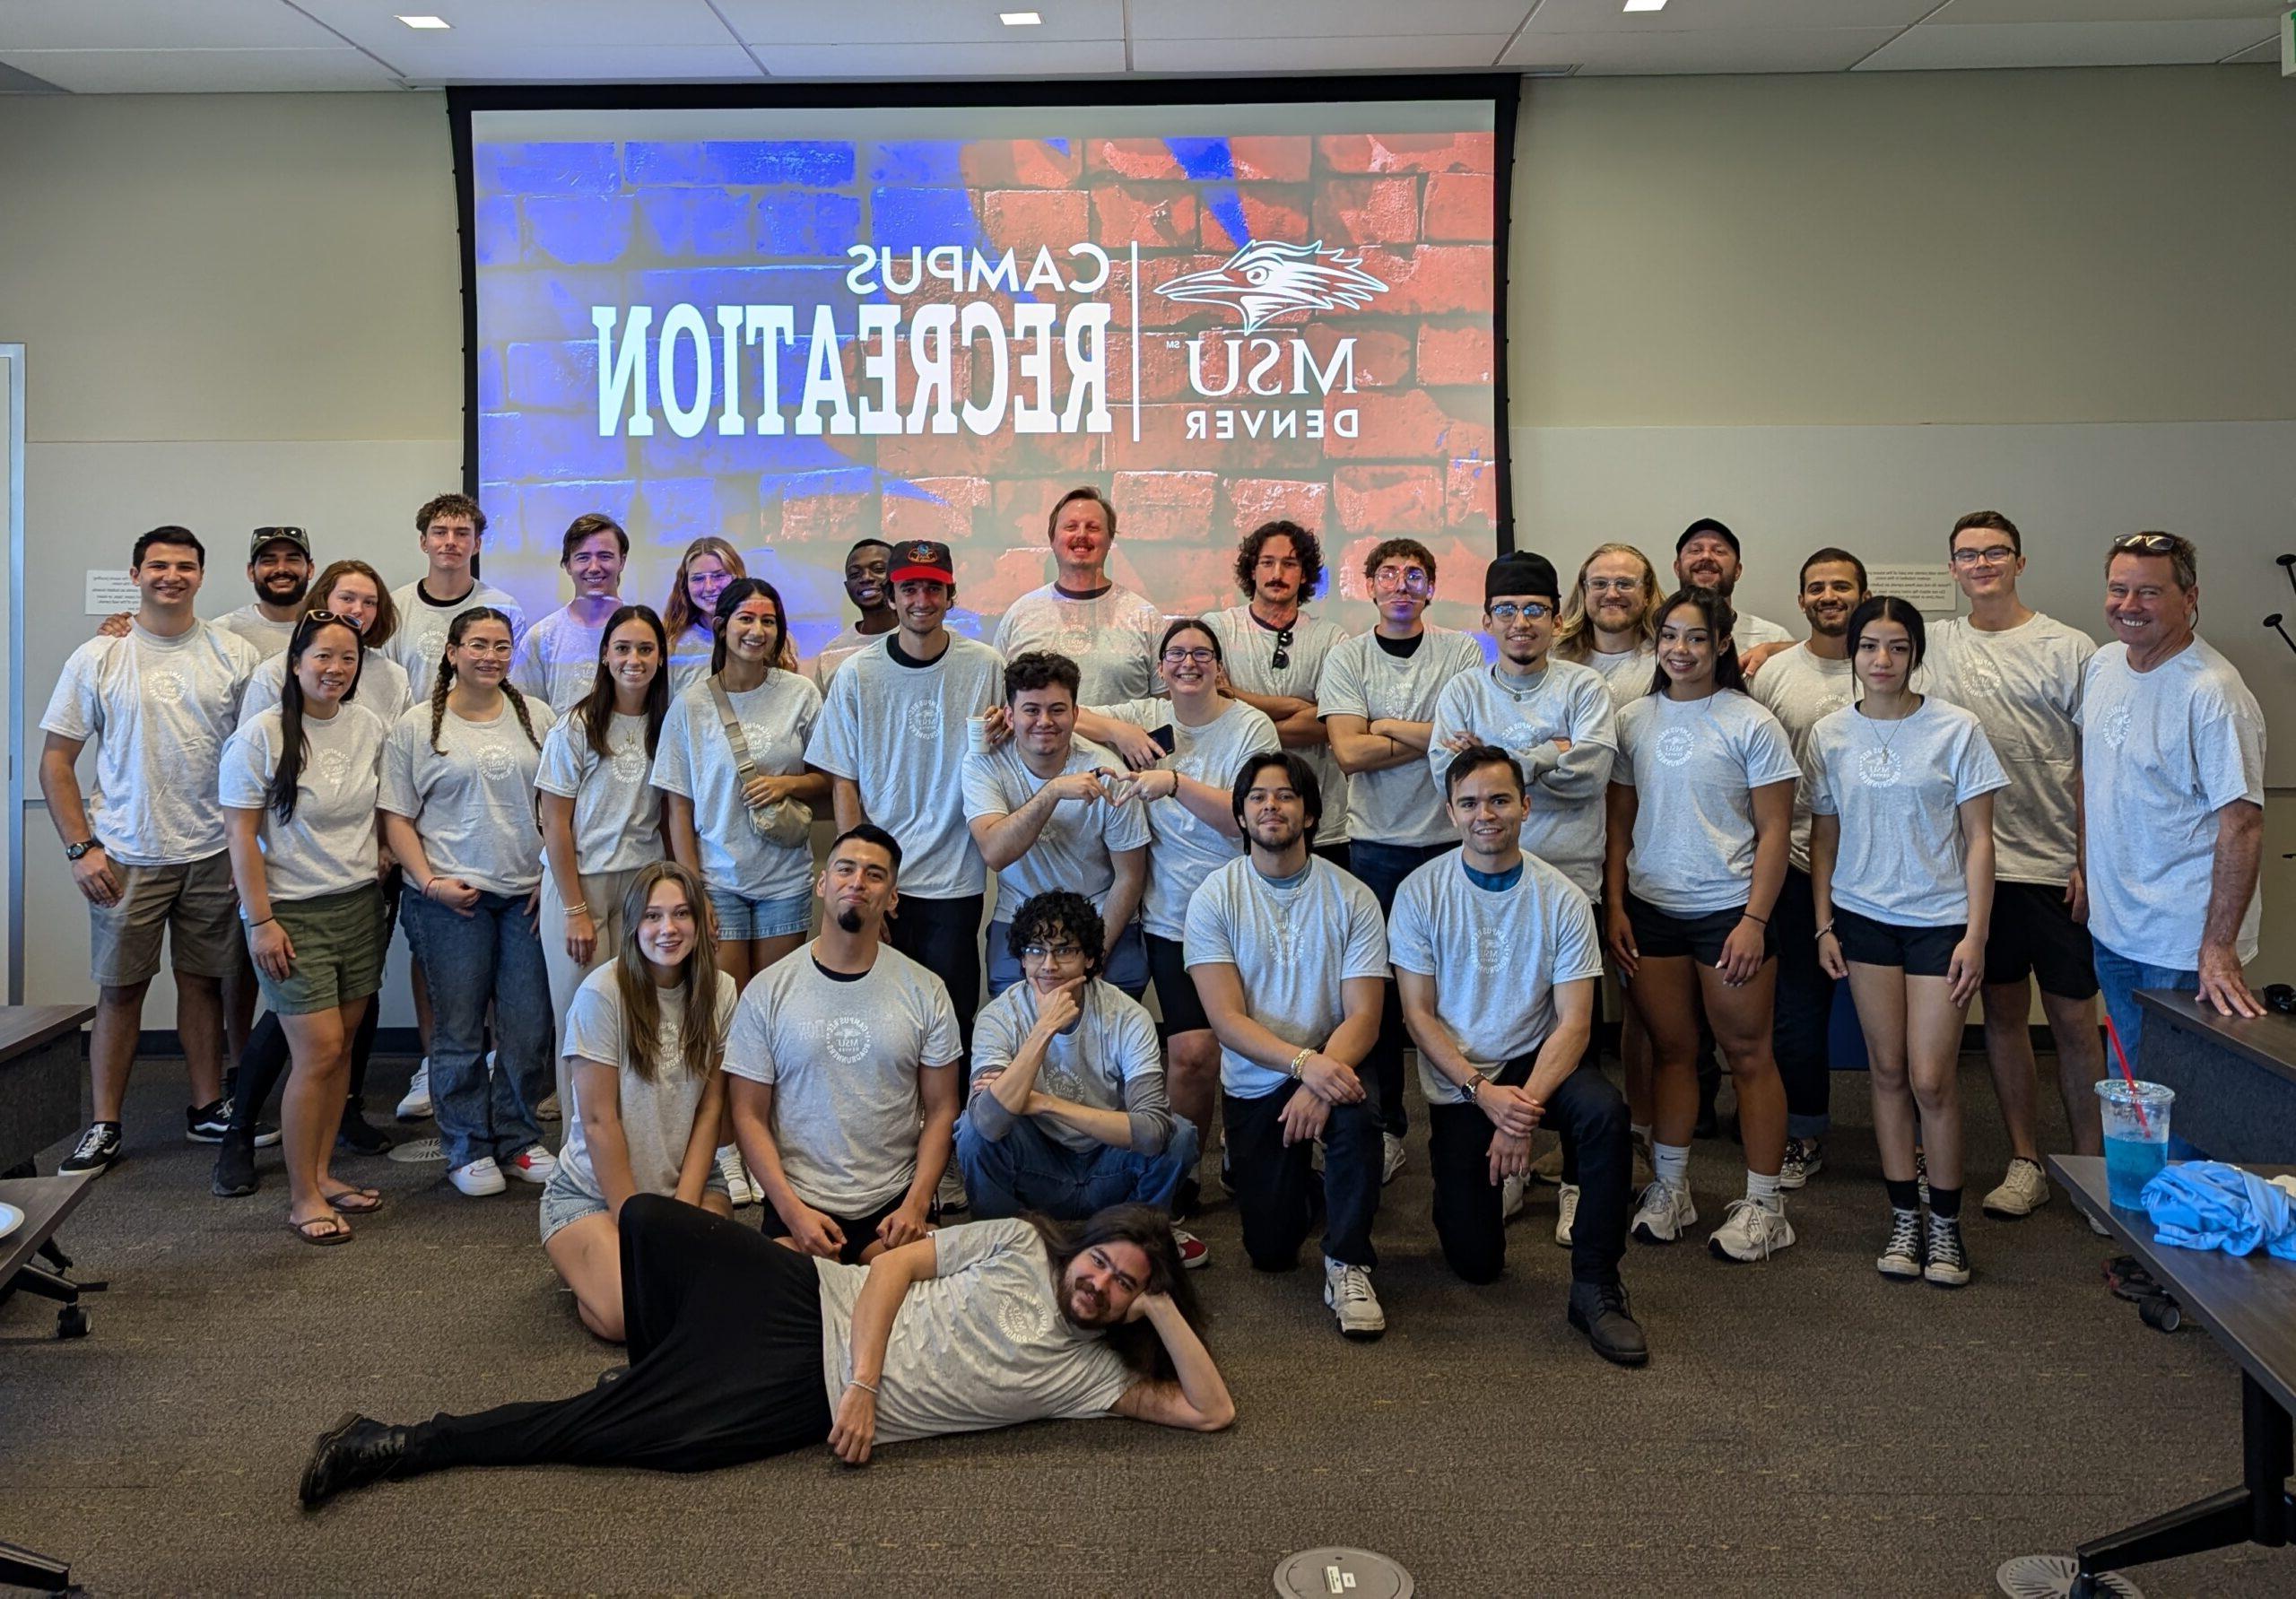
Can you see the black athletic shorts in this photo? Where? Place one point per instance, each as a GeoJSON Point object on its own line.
{"type": "Point", "coordinates": [2034, 934]}
{"type": "Point", "coordinates": [1175, 990]}
{"type": "Point", "coordinates": [1660, 937]}
{"type": "Point", "coordinates": [1923, 951]}
{"type": "Point", "coordinates": [860, 1231]}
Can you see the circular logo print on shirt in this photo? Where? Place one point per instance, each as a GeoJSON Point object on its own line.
{"type": "Point", "coordinates": [630, 762]}
{"type": "Point", "coordinates": [1675, 745]}
{"type": "Point", "coordinates": [1023, 1321]}
{"type": "Point", "coordinates": [434, 648]}
{"type": "Point", "coordinates": [1878, 769]}
{"type": "Point", "coordinates": [2113, 726]}
{"type": "Point", "coordinates": [1982, 677]}
{"type": "Point", "coordinates": [332, 767]}
{"type": "Point", "coordinates": [1520, 739]}
{"type": "Point", "coordinates": [923, 719]}
{"type": "Point", "coordinates": [494, 763]}
{"type": "Point", "coordinates": [1075, 637]}
{"type": "Point", "coordinates": [1060, 1081]}
{"type": "Point", "coordinates": [1833, 702]}
{"type": "Point", "coordinates": [166, 687]}
{"type": "Point", "coordinates": [847, 1038]}
{"type": "Point", "coordinates": [1493, 947]}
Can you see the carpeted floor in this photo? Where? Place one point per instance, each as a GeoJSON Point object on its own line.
{"type": "Point", "coordinates": [1805, 1427]}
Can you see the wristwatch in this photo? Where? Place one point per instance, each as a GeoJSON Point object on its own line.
{"type": "Point", "coordinates": [72, 851]}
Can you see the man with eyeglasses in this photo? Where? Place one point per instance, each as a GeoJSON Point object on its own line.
{"type": "Point", "coordinates": [1068, 1114]}
{"type": "Point", "coordinates": [2020, 673]}
{"type": "Point", "coordinates": [2172, 793]}
{"type": "Point", "coordinates": [1377, 695]}
{"type": "Point", "coordinates": [866, 564]}
{"type": "Point", "coordinates": [1707, 556]}
{"type": "Point", "coordinates": [1275, 653]}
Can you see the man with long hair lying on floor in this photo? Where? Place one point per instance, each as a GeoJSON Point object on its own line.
{"type": "Point", "coordinates": [741, 1348]}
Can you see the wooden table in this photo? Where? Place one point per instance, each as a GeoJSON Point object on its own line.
{"type": "Point", "coordinates": [41, 1074]}
{"type": "Point", "coordinates": [2235, 1076]}
{"type": "Point", "coordinates": [2249, 1306]}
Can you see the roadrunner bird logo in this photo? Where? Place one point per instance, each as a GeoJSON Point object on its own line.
{"type": "Point", "coordinates": [1266, 280]}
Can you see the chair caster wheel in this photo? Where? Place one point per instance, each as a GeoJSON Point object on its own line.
{"type": "Point", "coordinates": [2161, 1313]}
{"type": "Point", "coordinates": [72, 1322]}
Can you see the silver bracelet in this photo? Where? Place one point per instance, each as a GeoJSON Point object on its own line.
{"type": "Point", "coordinates": [855, 1382]}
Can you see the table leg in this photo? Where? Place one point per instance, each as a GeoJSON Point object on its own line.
{"type": "Point", "coordinates": [21, 1568]}
{"type": "Point", "coordinates": [2261, 1511]}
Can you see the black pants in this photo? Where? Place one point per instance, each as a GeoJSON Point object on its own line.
{"type": "Point", "coordinates": [860, 1231]}
{"type": "Point", "coordinates": [1804, 1010]}
{"type": "Point", "coordinates": [725, 1330]}
{"type": "Point", "coordinates": [943, 937]}
{"type": "Point", "coordinates": [1382, 867]}
{"type": "Point", "coordinates": [1275, 1185]}
{"type": "Point", "coordinates": [264, 1061]}
{"type": "Point", "coordinates": [1590, 1115]}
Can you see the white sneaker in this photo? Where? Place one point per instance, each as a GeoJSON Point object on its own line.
{"type": "Point", "coordinates": [950, 1197]}
{"type": "Point", "coordinates": [1901, 1257]}
{"type": "Point", "coordinates": [1665, 1213]}
{"type": "Point", "coordinates": [481, 1177]}
{"type": "Point", "coordinates": [533, 1164]}
{"type": "Point", "coordinates": [415, 1106]}
{"type": "Point", "coordinates": [1566, 1212]}
{"type": "Point", "coordinates": [1347, 1291]}
{"type": "Point", "coordinates": [1512, 1190]}
{"type": "Point", "coordinates": [1195, 1253]}
{"type": "Point", "coordinates": [738, 1186]}
{"type": "Point", "coordinates": [1390, 1158]}
{"type": "Point", "coordinates": [1751, 1230]}
{"type": "Point", "coordinates": [2022, 1191]}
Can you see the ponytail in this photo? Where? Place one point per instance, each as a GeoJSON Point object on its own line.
{"type": "Point", "coordinates": [294, 743]}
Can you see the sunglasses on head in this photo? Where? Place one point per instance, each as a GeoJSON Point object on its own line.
{"type": "Point", "coordinates": [2144, 544]}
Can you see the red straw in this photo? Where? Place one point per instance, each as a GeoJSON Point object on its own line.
{"type": "Point", "coordinates": [2143, 1122]}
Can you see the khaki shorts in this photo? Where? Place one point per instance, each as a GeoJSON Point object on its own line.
{"type": "Point", "coordinates": [340, 943]}
{"type": "Point", "coordinates": [195, 905]}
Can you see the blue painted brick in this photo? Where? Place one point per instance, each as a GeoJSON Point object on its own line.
{"type": "Point", "coordinates": [902, 219]}
{"type": "Point", "coordinates": [819, 163]}
{"type": "Point", "coordinates": [800, 222]}
{"type": "Point", "coordinates": [495, 239]}
{"type": "Point", "coordinates": [490, 377]}
{"type": "Point", "coordinates": [696, 221]}
{"type": "Point", "coordinates": [505, 527]}
{"type": "Point", "coordinates": [541, 446]}
{"type": "Point", "coordinates": [653, 161]}
{"type": "Point", "coordinates": [544, 304]}
{"type": "Point", "coordinates": [806, 485]}
{"type": "Point", "coordinates": [677, 510]}
{"type": "Point", "coordinates": [547, 168]}
{"type": "Point", "coordinates": [581, 229]}
{"type": "Point", "coordinates": [665, 455]}
{"type": "Point", "coordinates": [553, 375]}
{"type": "Point", "coordinates": [551, 508]}
{"type": "Point", "coordinates": [802, 287]}
{"type": "Point", "coordinates": [937, 163]}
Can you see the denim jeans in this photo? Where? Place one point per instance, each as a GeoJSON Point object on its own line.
{"type": "Point", "coordinates": [1382, 867]}
{"type": "Point", "coordinates": [493, 955]}
{"type": "Point", "coordinates": [2120, 977]}
{"type": "Point", "coordinates": [1029, 1169]}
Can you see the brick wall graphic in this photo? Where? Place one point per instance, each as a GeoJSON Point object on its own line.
{"type": "Point", "coordinates": [1170, 317]}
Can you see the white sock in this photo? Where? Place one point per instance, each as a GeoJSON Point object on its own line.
{"type": "Point", "coordinates": [1762, 1190]}
{"type": "Point", "coordinates": [1672, 1163]}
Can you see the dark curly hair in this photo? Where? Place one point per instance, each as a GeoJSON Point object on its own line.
{"type": "Point", "coordinates": [1064, 911]}
{"type": "Point", "coordinates": [1308, 548]}
{"type": "Point", "coordinates": [1135, 1343]}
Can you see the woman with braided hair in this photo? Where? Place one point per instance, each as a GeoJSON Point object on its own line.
{"type": "Point", "coordinates": [458, 813]}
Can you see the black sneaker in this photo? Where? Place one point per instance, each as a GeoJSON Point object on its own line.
{"type": "Point", "coordinates": [358, 1134]}
{"type": "Point", "coordinates": [208, 1124]}
{"type": "Point", "coordinates": [353, 1452]}
{"type": "Point", "coordinates": [1600, 1310]}
{"type": "Point", "coordinates": [98, 1148]}
{"type": "Point", "coordinates": [235, 1177]}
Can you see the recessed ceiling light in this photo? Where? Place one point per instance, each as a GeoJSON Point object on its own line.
{"type": "Point", "coordinates": [426, 21]}
{"type": "Point", "coordinates": [1645, 4]}
{"type": "Point", "coordinates": [1019, 18]}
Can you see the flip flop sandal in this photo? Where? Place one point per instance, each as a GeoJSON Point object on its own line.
{"type": "Point", "coordinates": [337, 1232]}
{"type": "Point", "coordinates": [356, 1202]}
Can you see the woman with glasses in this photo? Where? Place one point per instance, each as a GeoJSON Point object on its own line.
{"type": "Point", "coordinates": [1702, 804]}
{"type": "Point", "coordinates": [1901, 788]}
{"type": "Point", "coordinates": [688, 615]}
{"type": "Point", "coordinates": [298, 786]}
{"type": "Point", "coordinates": [458, 812]}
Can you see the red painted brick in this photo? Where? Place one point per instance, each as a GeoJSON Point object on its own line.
{"type": "Point", "coordinates": [1252, 500]}
{"type": "Point", "coordinates": [1016, 570]}
{"type": "Point", "coordinates": [1186, 581]}
{"type": "Point", "coordinates": [829, 519]}
{"type": "Point", "coordinates": [1433, 278]}
{"type": "Point", "coordinates": [1409, 425]}
{"type": "Point", "coordinates": [1166, 507]}
{"type": "Point", "coordinates": [1149, 214]}
{"type": "Point", "coordinates": [1277, 158]}
{"type": "Point", "coordinates": [1164, 443]}
{"type": "Point", "coordinates": [1455, 355]}
{"type": "Point", "coordinates": [1367, 211]}
{"type": "Point", "coordinates": [1021, 504]}
{"type": "Point", "coordinates": [1391, 501]}
{"type": "Point", "coordinates": [1382, 355]}
{"type": "Point", "coordinates": [1409, 152]}
{"type": "Point", "coordinates": [1132, 158]}
{"type": "Point", "coordinates": [1028, 219]}
{"type": "Point", "coordinates": [949, 519]}
{"type": "Point", "coordinates": [1471, 494]}
{"type": "Point", "coordinates": [1164, 368]}
{"type": "Point", "coordinates": [998, 454]}
{"type": "Point", "coordinates": [1020, 163]}
{"type": "Point", "coordinates": [1460, 207]}
{"type": "Point", "coordinates": [1271, 210]}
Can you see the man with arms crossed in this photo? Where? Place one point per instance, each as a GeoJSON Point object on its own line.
{"type": "Point", "coordinates": [1110, 631]}
{"type": "Point", "coordinates": [1497, 957]}
{"type": "Point", "coordinates": [834, 1054]}
{"type": "Point", "coordinates": [148, 854]}
{"type": "Point", "coordinates": [2019, 673]}
{"type": "Point", "coordinates": [1288, 959]}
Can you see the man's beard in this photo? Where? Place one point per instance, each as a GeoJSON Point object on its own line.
{"type": "Point", "coordinates": [1288, 838]}
{"type": "Point", "coordinates": [850, 919]}
{"type": "Point", "coordinates": [267, 591]}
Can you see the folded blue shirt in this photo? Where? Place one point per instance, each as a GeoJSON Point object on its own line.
{"type": "Point", "coordinates": [2206, 1204]}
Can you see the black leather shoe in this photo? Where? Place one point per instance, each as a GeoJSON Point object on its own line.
{"type": "Point", "coordinates": [1599, 1310]}
{"type": "Point", "coordinates": [359, 1135]}
{"type": "Point", "coordinates": [235, 1176]}
{"type": "Point", "coordinates": [355, 1451]}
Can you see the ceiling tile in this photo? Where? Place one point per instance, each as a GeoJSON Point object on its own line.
{"type": "Point", "coordinates": [555, 63]}
{"type": "Point", "coordinates": [541, 25]}
{"type": "Point", "coordinates": [157, 25]}
{"type": "Point", "coordinates": [1419, 53]}
{"type": "Point", "coordinates": [906, 21]}
{"type": "Point", "coordinates": [1942, 46]}
{"type": "Point", "coordinates": [1740, 50]}
{"type": "Point", "coordinates": [197, 72]}
{"type": "Point", "coordinates": [1015, 60]}
{"type": "Point", "coordinates": [1311, 19]}
{"type": "Point", "coordinates": [1699, 16]}
{"type": "Point", "coordinates": [1959, 12]}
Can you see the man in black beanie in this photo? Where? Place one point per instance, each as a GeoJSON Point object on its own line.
{"type": "Point", "coordinates": [1707, 556]}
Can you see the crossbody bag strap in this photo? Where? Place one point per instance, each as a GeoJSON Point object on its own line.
{"type": "Point", "coordinates": [744, 767]}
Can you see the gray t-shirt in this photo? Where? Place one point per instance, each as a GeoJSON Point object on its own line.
{"type": "Point", "coordinates": [1248, 650]}
{"type": "Point", "coordinates": [1108, 1060]}
{"type": "Point", "coordinates": [2023, 686]}
{"type": "Point", "coordinates": [1801, 689]}
{"type": "Point", "coordinates": [1897, 788]}
{"type": "Point", "coordinates": [2161, 753]}
{"type": "Point", "coordinates": [1401, 804]}
{"type": "Point", "coordinates": [694, 758]}
{"type": "Point", "coordinates": [420, 639]}
{"type": "Point", "coordinates": [1292, 945]}
{"type": "Point", "coordinates": [690, 654]}
{"type": "Point", "coordinates": [330, 847]}
{"type": "Point", "coordinates": [1753, 632]}
{"type": "Point", "coordinates": [982, 1343]}
{"type": "Point", "coordinates": [1183, 848]}
{"type": "Point", "coordinates": [473, 805]}
{"type": "Point", "coordinates": [382, 688]}
{"type": "Point", "coordinates": [1496, 956]}
{"type": "Point", "coordinates": [617, 809]}
{"type": "Point", "coordinates": [1566, 788]}
{"type": "Point", "coordinates": [1111, 637]}
{"type": "Point", "coordinates": [898, 731]}
{"type": "Point", "coordinates": [159, 710]}
{"type": "Point", "coordinates": [557, 661]}
{"type": "Point", "coordinates": [843, 1058]}
{"type": "Point", "coordinates": [1693, 765]}
{"type": "Point", "coordinates": [657, 1117]}
{"type": "Point", "coordinates": [1075, 847]}
{"type": "Point", "coordinates": [1628, 673]}
{"type": "Point", "coordinates": [850, 641]}
{"type": "Point", "coordinates": [269, 637]}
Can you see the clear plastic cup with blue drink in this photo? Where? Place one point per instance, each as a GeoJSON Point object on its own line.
{"type": "Point", "coordinates": [2136, 1136]}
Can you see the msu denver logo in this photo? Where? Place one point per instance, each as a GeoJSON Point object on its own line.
{"type": "Point", "coordinates": [1266, 280]}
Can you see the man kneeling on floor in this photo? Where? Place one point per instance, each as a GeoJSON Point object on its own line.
{"type": "Point", "coordinates": [741, 1349]}
{"type": "Point", "coordinates": [1503, 1034]}
{"type": "Point", "coordinates": [1068, 1114]}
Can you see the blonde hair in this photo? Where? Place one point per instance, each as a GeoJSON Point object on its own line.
{"type": "Point", "coordinates": [702, 1038]}
{"type": "Point", "coordinates": [1574, 636]}
{"type": "Point", "coordinates": [678, 613]}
